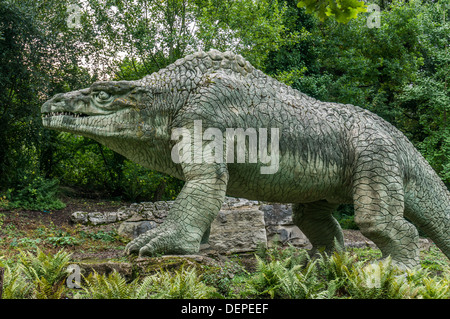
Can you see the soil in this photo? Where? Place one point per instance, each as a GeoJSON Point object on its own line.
{"type": "Point", "coordinates": [26, 222]}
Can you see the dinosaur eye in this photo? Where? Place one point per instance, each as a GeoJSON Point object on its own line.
{"type": "Point", "coordinates": [102, 97]}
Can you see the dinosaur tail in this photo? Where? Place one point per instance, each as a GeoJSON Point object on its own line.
{"type": "Point", "coordinates": [427, 204]}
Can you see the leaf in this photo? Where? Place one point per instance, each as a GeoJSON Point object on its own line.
{"type": "Point", "coordinates": [342, 10]}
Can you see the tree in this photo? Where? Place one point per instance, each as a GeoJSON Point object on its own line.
{"type": "Point", "coordinates": [342, 10]}
{"type": "Point", "coordinates": [21, 63]}
{"type": "Point", "coordinates": [425, 101]}
{"type": "Point", "coordinates": [132, 38]}
{"type": "Point", "coordinates": [34, 64]}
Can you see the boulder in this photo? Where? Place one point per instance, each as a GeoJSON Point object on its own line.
{"type": "Point", "coordinates": [236, 231]}
{"type": "Point", "coordinates": [280, 227]}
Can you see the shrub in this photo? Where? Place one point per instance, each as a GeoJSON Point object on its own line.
{"type": "Point", "coordinates": [36, 193]}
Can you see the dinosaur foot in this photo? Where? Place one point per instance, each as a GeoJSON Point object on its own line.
{"type": "Point", "coordinates": [165, 239]}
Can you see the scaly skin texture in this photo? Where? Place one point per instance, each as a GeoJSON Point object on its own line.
{"type": "Point", "coordinates": [329, 154]}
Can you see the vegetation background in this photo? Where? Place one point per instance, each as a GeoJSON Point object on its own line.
{"type": "Point", "coordinates": [398, 69]}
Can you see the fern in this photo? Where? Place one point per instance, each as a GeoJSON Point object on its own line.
{"type": "Point", "coordinates": [297, 283]}
{"type": "Point", "coordinates": [112, 286]}
{"type": "Point", "coordinates": [47, 272]}
{"type": "Point", "coordinates": [379, 281]}
{"type": "Point", "coordinates": [15, 286]}
{"type": "Point", "coordinates": [283, 279]}
{"type": "Point", "coordinates": [434, 288]}
{"type": "Point", "coordinates": [51, 267]}
{"type": "Point", "coordinates": [183, 284]}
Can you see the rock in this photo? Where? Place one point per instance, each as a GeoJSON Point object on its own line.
{"type": "Point", "coordinates": [133, 229]}
{"type": "Point", "coordinates": [79, 217]}
{"type": "Point", "coordinates": [237, 231]}
{"type": "Point", "coordinates": [100, 218]}
{"type": "Point", "coordinates": [280, 227]}
{"type": "Point", "coordinates": [233, 203]}
{"type": "Point", "coordinates": [145, 266]}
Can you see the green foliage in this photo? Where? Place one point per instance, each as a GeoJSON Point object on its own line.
{"type": "Point", "coordinates": [15, 285]}
{"type": "Point", "coordinates": [250, 28]}
{"type": "Point", "coordinates": [223, 278]}
{"type": "Point", "coordinates": [62, 239]}
{"type": "Point", "coordinates": [143, 184]}
{"type": "Point", "coordinates": [112, 286]}
{"type": "Point", "coordinates": [46, 271]}
{"type": "Point", "coordinates": [106, 236]}
{"type": "Point", "coordinates": [434, 288]}
{"type": "Point", "coordinates": [35, 194]}
{"type": "Point", "coordinates": [184, 283]}
{"type": "Point", "coordinates": [281, 279]}
{"type": "Point", "coordinates": [345, 215]}
{"type": "Point", "coordinates": [28, 77]}
{"type": "Point", "coordinates": [378, 281]}
{"type": "Point", "coordinates": [282, 273]}
{"type": "Point", "coordinates": [342, 10]}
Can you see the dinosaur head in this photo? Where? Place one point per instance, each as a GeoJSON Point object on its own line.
{"type": "Point", "coordinates": [106, 109]}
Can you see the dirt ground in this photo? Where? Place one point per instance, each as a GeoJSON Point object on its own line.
{"type": "Point", "coordinates": [24, 224]}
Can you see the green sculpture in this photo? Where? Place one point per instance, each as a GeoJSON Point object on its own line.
{"type": "Point", "coordinates": [191, 119]}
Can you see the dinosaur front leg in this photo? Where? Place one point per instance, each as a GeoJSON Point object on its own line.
{"type": "Point", "coordinates": [190, 216]}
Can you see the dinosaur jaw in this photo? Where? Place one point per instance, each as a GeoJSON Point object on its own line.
{"type": "Point", "coordinates": [93, 126]}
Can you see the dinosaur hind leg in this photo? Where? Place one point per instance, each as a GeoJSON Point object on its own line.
{"type": "Point", "coordinates": [315, 220]}
{"type": "Point", "coordinates": [379, 206]}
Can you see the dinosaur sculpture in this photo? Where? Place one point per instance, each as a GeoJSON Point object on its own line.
{"type": "Point", "coordinates": [325, 154]}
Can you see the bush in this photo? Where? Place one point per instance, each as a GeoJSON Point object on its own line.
{"type": "Point", "coordinates": [34, 193]}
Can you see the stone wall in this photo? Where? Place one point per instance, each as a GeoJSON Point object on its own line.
{"type": "Point", "coordinates": [241, 225]}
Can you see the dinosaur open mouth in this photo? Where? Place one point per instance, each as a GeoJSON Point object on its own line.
{"type": "Point", "coordinates": [45, 115]}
